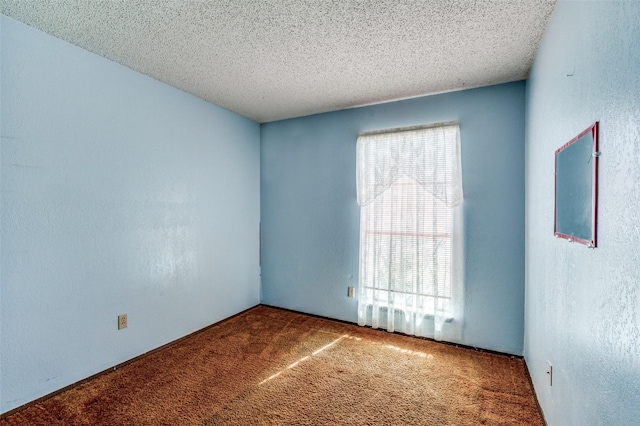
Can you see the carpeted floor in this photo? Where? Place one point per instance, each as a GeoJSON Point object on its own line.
{"type": "Point", "coordinates": [274, 367]}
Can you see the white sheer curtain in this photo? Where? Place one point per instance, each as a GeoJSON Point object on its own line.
{"type": "Point", "coordinates": [409, 185]}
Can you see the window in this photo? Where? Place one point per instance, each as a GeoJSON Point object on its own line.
{"type": "Point", "coordinates": [409, 188]}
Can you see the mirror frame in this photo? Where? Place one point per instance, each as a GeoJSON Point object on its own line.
{"type": "Point", "coordinates": [588, 240]}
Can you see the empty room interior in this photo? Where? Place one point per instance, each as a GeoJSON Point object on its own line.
{"type": "Point", "coordinates": [195, 165]}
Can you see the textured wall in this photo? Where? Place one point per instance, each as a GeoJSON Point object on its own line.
{"type": "Point", "coordinates": [583, 306]}
{"type": "Point", "coordinates": [310, 218]}
{"type": "Point", "coordinates": [1, 57]}
{"type": "Point", "coordinates": [119, 194]}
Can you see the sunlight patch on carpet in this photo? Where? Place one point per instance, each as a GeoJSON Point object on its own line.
{"type": "Point", "coordinates": [304, 358]}
{"type": "Point", "coordinates": [409, 352]}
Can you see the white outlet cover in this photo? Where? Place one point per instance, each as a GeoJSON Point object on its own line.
{"type": "Point", "coordinates": [122, 321]}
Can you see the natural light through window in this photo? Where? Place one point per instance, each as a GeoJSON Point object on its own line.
{"type": "Point", "coordinates": [407, 241]}
{"type": "Point", "coordinates": [304, 358]}
{"type": "Point", "coordinates": [409, 186]}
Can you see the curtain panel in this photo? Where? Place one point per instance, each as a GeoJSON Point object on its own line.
{"type": "Point", "coordinates": [409, 187]}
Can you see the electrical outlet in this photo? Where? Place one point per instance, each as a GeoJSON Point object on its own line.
{"type": "Point", "coordinates": [550, 372]}
{"type": "Point", "coordinates": [350, 291]}
{"type": "Point", "coordinates": [122, 321]}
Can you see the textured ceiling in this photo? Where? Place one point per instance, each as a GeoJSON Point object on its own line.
{"type": "Point", "coordinates": [275, 59]}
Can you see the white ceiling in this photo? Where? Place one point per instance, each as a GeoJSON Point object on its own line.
{"type": "Point", "coordinates": [276, 59]}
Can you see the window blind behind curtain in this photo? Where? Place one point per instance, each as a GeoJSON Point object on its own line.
{"type": "Point", "coordinates": [409, 186]}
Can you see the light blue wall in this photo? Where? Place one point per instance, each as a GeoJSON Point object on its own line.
{"type": "Point", "coordinates": [583, 306]}
{"type": "Point", "coordinates": [119, 194]}
{"type": "Point", "coordinates": [310, 218]}
{"type": "Point", "coordinates": [1, 214]}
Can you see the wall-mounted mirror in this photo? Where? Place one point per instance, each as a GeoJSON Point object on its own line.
{"type": "Point", "coordinates": [576, 193]}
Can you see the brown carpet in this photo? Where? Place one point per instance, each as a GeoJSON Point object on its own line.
{"type": "Point", "coordinates": [275, 367]}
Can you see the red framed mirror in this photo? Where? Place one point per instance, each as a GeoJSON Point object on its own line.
{"type": "Point", "coordinates": [576, 188]}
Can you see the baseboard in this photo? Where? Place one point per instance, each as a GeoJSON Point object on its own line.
{"type": "Point", "coordinates": [533, 389]}
{"type": "Point", "coordinates": [122, 364]}
{"type": "Point", "coordinates": [167, 345]}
